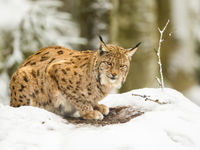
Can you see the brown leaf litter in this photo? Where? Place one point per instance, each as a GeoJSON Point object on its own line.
{"type": "Point", "coordinates": [120, 114]}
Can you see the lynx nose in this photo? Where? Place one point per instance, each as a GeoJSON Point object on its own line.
{"type": "Point", "coordinates": [113, 76]}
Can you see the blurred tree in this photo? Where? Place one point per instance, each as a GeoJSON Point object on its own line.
{"type": "Point", "coordinates": [182, 60]}
{"type": "Point", "coordinates": [29, 30]}
{"type": "Point", "coordinates": [133, 21]}
{"type": "Point", "coordinates": [163, 14]}
{"type": "Point", "coordinates": [198, 69]}
{"type": "Point", "coordinates": [93, 19]}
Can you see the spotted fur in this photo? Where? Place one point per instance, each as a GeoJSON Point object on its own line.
{"type": "Point", "coordinates": [69, 82]}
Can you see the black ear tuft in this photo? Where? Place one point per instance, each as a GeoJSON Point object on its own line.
{"type": "Point", "coordinates": [138, 44]}
{"type": "Point", "coordinates": [102, 46]}
{"type": "Point", "coordinates": [101, 39]}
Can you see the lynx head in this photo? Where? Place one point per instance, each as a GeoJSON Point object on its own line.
{"type": "Point", "coordinates": [113, 63]}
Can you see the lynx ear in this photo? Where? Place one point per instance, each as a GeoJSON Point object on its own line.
{"type": "Point", "coordinates": [102, 48]}
{"type": "Point", "coordinates": [131, 51]}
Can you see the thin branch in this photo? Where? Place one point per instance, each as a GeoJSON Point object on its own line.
{"type": "Point", "coordinates": [147, 98]}
{"type": "Point", "coordinates": [158, 55]}
{"type": "Point", "coordinates": [158, 79]}
{"type": "Point", "coordinates": [155, 50]}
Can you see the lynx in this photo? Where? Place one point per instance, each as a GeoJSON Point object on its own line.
{"type": "Point", "coordinates": [69, 82]}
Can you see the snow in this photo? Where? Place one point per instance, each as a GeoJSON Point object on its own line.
{"type": "Point", "coordinates": [7, 7]}
{"type": "Point", "coordinates": [174, 125]}
{"type": "Point", "coordinates": [4, 88]}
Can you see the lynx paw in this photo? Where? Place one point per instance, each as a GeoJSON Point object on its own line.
{"type": "Point", "coordinates": [103, 109]}
{"type": "Point", "coordinates": [96, 115]}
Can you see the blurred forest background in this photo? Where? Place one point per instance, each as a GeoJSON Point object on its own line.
{"type": "Point", "coordinates": [28, 25]}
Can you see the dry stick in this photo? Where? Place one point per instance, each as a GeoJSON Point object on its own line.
{"type": "Point", "coordinates": [147, 98]}
{"type": "Point", "coordinates": [161, 81]}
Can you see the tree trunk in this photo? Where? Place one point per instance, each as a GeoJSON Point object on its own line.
{"type": "Point", "coordinates": [134, 21]}
{"type": "Point", "coordinates": [183, 60]}
{"type": "Point", "coordinates": [93, 18]}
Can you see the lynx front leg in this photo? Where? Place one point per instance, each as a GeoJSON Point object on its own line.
{"type": "Point", "coordinates": [102, 108]}
{"type": "Point", "coordinates": [95, 114]}
{"type": "Point", "coordinates": [87, 112]}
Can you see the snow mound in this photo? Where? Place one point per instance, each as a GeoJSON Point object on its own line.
{"type": "Point", "coordinates": [170, 121]}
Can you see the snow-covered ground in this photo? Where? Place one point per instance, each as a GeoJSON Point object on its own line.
{"type": "Point", "coordinates": [171, 126]}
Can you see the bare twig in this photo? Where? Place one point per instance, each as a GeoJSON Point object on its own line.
{"type": "Point", "coordinates": [161, 81]}
{"type": "Point", "coordinates": [155, 50]}
{"type": "Point", "coordinates": [147, 98]}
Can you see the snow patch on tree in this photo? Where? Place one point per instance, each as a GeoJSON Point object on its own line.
{"type": "Point", "coordinates": [29, 25]}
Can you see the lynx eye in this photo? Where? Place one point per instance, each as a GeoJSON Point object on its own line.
{"type": "Point", "coordinates": [108, 63]}
{"type": "Point", "coordinates": [123, 67]}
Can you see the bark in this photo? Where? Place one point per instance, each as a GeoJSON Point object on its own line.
{"type": "Point", "coordinates": [131, 22]}
{"type": "Point", "coordinates": [93, 18]}
{"type": "Point", "coordinates": [182, 60]}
